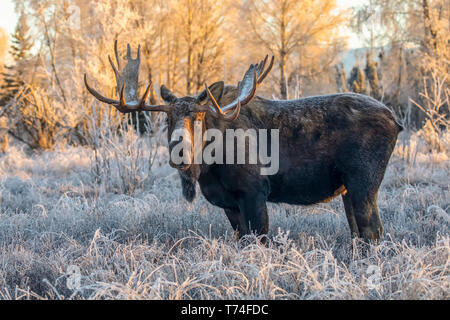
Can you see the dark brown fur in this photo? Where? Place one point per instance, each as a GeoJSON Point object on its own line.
{"type": "Point", "coordinates": [329, 145]}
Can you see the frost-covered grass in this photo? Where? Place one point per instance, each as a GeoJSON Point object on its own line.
{"type": "Point", "coordinates": [151, 244]}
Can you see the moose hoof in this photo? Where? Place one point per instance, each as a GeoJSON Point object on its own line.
{"type": "Point", "coordinates": [372, 234]}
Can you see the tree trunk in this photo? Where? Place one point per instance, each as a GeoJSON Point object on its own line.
{"type": "Point", "coordinates": [190, 53]}
{"type": "Point", "coordinates": [430, 34]}
{"type": "Point", "coordinates": [283, 84]}
{"type": "Point", "coordinates": [283, 55]}
{"type": "Point", "coordinates": [175, 63]}
{"type": "Point", "coordinates": [190, 64]}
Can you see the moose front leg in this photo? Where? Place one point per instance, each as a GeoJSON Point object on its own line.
{"type": "Point", "coordinates": [237, 221]}
{"type": "Point", "coordinates": [254, 209]}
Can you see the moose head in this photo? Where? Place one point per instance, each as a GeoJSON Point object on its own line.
{"type": "Point", "coordinates": [183, 112]}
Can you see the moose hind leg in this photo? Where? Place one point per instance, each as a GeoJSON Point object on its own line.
{"type": "Point", "coordinates": [354, 231]}
{"type": "Point", "coordinates": [361, 200]}
{"type": "Point", "coordinates": [362, 173]}
{"type": "Point", "coordinates": [364, 211]}
{"type": "Point", "coordinates": [376, 223]}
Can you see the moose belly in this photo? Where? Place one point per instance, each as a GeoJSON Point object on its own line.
{"type": "Point", "coordinates": [306, 184]}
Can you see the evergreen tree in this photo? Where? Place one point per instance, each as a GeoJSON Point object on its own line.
{"type": "Point", "coordinates": [21, 45]}
{"type": "Point", "coordinates": [357, 81]}
{"type": "Point", "coordinates": [372, 71]}
{"type": "Point", "coordinates": [341, 78]}
{"type": "Point", "coordinates": [21, 41]}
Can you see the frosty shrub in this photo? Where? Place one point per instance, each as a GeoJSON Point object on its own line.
{"type": "Point", "coordinates": [122, 160]}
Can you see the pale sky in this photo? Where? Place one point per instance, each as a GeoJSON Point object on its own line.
{"type": "Point", "coordinates": [8, 18]}
{"type": "Point", "coordinates": [353, 41]}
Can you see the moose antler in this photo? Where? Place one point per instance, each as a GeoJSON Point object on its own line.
{"type": "Point", "coordinates": [246, 90]}
{"type": "Point", "coordinates": [125, 107]}
{"type": "Point", "coordinates": [130, 76]}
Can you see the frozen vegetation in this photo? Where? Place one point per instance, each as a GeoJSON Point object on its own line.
{"type": "Point", "coordinates": [120, 220]}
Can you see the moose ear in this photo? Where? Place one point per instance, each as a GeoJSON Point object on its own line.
{"type": "Point", "coordinates": [167, 95]}
{"type": "Point", "coordinates": [216, 90]}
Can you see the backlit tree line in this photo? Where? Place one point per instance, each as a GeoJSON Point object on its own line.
{"type": "Point", "coordinates": [187, 42]}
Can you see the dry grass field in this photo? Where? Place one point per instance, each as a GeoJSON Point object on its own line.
{"type": "Point", "coordinates": [121, 223]}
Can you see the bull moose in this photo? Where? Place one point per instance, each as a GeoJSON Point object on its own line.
{"type": "Point", "coordinates": [329, 145]}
